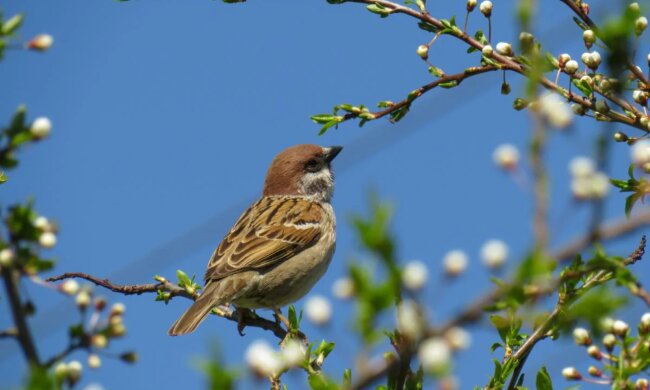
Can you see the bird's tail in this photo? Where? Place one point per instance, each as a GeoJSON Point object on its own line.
{"type": "Point", "coordinates": [200, 309]}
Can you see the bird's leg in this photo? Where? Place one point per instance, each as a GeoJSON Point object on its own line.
{"type": "Point", "coordinates": [279, 318]}
{"type": "Point", "coordinates": [241, 317]}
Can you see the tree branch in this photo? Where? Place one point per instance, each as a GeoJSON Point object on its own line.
{"type": "Point", "coordinates": [11, 279]}
{"type": "Point", "coordinates": [254, 321]}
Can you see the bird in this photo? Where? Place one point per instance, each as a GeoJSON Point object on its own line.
{"type": "Point", "coordinates": [280, 246]}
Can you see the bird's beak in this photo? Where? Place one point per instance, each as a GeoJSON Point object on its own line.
{"type": "Point", "coordinates": [332, 152]}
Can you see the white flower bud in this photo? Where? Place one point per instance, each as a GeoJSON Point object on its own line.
{"type": "Point", "coordinates": [595, 371]}
{"type": "Point", "coordinates": [571, 66]}
{"type": "Point", "coordinates": [42, 223]}
{"type": "Point", "coordinates": [471, 4]}
{"type": "Point", "coordinates": [640, 152]}
{"type": "Point", "coordinates": [458, 338]}
{"type": "Point", "coordinates": [415, 275]}
{"type": "Point", "coordinates": [409, 320]}
{"type": "Point", "coordinates": [74, 371]}
{"type": "Point", "coordinates": [41, 127]}
{"type": "Point", "coordinates": [555, 110]}
{"type": "Point", "coordinates": [40, 42]}
{"type": "Point", "coordinates": [589, 38]}
{"type": "Point", "coordinates": [582, 166]}
{"type": "Point", "coordinates": [293, 353]}
{"type": "Point", "coordinates": [640, 25]}
{"type": "Point", "coordinates": [94, 361]}
{"type": "Point", "coordinates": [99, 341]}
{"type": "Point", "coordinates": [594, 352]}
{"type": "Point", "coordinates": [599, 185]}
{"type": "Point", "coordinates": [486, 8]}
{"type": "Point", "coordinates": [117, 330]}
{"type": "Point", "coordinates": [434, 353]}
{"type": "Point", "coordinates": [570, 373]}
{"type": "Point", "coordinates": [69, 287]}
{"type": "Point", "coordinates": [83, 299]}
{"type": "Point", "coordinates": [61, 371]}
{"type": "Point", "coordinates": [7, 256]}
{"type": "Point", "coordinates": [595, 59]}
{"type": "Point", "coordinates": [487, 50]}
{"type": "Point", "coordinates": [641, 384]}
{"type": "Point", "coordinates": [504, 48]}
{"type": "Point", "coordinates": [645, 322]}
{"type": "Point", "coordinates": [423, 51]}
{"type": "Point", "coordinates": [455, 262]}
{"type": "Point", "coordinates": [634, 7]}
{"type": "Point", "coordinates": [343, 288]}
{"type": "Point", "coordinates": [562, 59]}
{"type": "Point", "coordinates": [118, 309]}
{"type": "Point", "coordinates": [581, 188]}
{"type": "Point", "coordinates": [318, 310]}
{"type": "Point", "coordinates": [581, 336]}
{"type": "Point", "coordinates": [506, 156]}
{"type": "Point", "coordinates": [47, 240]}
{"type": "Point", "coordinates": [609, 341]}
{"type": "Point", "coordinates": [262, 359]}
{"type": "Point", "coordinates": [620, 328]}
{"type": "Point", "coordinates": [640, 97]}
{"type": "Point", "coordinates": [494, 253]}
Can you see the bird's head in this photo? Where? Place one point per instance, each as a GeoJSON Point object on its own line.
{"type": "Point", "coordinates": [302, 170]}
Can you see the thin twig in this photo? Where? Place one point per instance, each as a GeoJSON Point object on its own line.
{"type": "Point", "coordinates": [11, 279]}
{"type": "Point", "coordinates": [254, 321]}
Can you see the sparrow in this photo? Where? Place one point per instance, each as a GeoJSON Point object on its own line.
{"type": "Point", "coordinates": [280, 246]}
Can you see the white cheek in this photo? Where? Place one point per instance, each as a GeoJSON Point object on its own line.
{"type": "Point", "coordinates": [319, 183]}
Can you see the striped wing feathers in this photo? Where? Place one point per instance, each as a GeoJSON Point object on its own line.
{"type": "Point", "coordinates": [271, 231]}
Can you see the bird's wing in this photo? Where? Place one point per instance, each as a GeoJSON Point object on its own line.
{"type": "Point", "coordinates": [269, 232]}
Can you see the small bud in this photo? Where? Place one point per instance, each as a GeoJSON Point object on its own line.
{"type": "Point", "coordinates": [562, 59]}
{"type": "Point", "coordinates": [620, 328]}
{"type": "Point", "coordinates": [486, 8]}
{"type": "Point", "coordinates": [589, 37]}
{"type": "Point", "coordinates": [42, 223]}
{"type": "Point", "coordinates": [487, 51]}
{"type": "Point", "coordinates": [644, 121]}
{"type": "Point", "coordinates": [505, 89]}
{"type": "Point", "coordinates": [83, 300]}
{"type": "Point", "coordinates": [47, 240]}
{"type": "Point", "coordinates": [100, 303]}
{"type": "Point", "coordinates": [74, 371]}
{"type": "Point", "coordinates": [594, 352]}
{"type": "Point", "coordinates": [570, 373]}
{"type": "Point", "coordinates": [117, 309]}
{"type": "Point", "coordinates": [494, 253]}
{"type": "Point", "coordinates": [640, 25]}
{"type": "Point", "coordinates": [571, 67]}
{"type": "Point", "coordinates": [343, 288]}
{"type": "Point", "coordinates": [609, 341]}
{"type": "Point", "coordinates": [458, 338]}
{"type": "Point", "coordinates": [99, 341]}
{"type": "Point", "coordinates": [640, 152]}
{"type": "Point", "coordinates": [582, 167]}
{"type": "Point", "coordinates": [504, 48]}
{"type": "Point", "coordinates": [606, 324]}
{"type": "Point", "coordinates": [94, 361]}
{"type": "Point", "coordinates": [61, 371]}
{"type": "Point", "coordinates": [587, 79]}
{"type": "Point", "coordinates": [41, 42]}
{"type": "Point", "coordinates": [620, 137]}
{"type": "Point", "coordinates": [471, 4]}
{"type": "Point", "coordinates": [423, 51]}
{"type": "Point", "coordinates": [7, 256]}
{"type": "Point", "coordinates": [129, 357]}
{"type": "Point", "coordinates": [584, 7]}
{"type": "Point", "coordinates": [415, 275]}
{"type": "Point", "coordinates": [519, 104]}
{"type": "Point", "coordinates": [646, 167]}
{"type": "Point", "coordinates": [595, 371]}
{"type": "Point", "coordinates": [634, 8]}
{"type": "Point", "coordinates": [506, 157]}
{"type": "Point", "coordinates": [455, 263]}
{"type": "Point", "coordinates": [640, 97]}
{"type": "Point", "coordinates": [526, 39]}
{"type": "Point", "coordinates": [434, 353]}
{"type": "Point", "coordinates": [69, 287]}
{"type": "Point", "coordinates": [602, 106]}
{"type": "Point", "coordinates": [318, 310]}
{"type": "Point", "coordinates": [644, 325]}
{"type": "Point", "coordinates": [578, 109]}
{"type": "Point", "coordinates": [117, 330]}
{"type": "Point", "coordinates": [581, 336]}
{"type": "Point", "coordinates": [115, 320]}
{"type": "Point", "coordinates": [641, 384]}
{"type": "Point", "coordinates": [41, 127]}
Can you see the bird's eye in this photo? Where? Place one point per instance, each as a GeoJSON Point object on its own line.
{"type": "Point", "coordinates": [312, 165]}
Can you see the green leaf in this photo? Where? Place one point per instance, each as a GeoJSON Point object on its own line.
{"type": "Point", "coordinates": [11, 25]}
{"type": "Point", "coordinates": [3, 177]}
{"type": "Point", "coordinates": [426, 26]}
{"type": "Point", "coordinates": [379, 10]}
{"type": "Point", "coordinates": [543, 380]}
{"type": "Point", "coordinates": [502, 325]}
{"type": "Point", "coordinates": [629, 203]}
{"type": "Point", "coordinates": [448, 84]}
{"type": "Point", "coordinates": [183, 279]}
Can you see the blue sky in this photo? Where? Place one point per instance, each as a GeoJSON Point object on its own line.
{"type": "Point", "coordinates": [166, 115]}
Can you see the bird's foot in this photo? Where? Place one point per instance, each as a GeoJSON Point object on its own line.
{"type": "Point", "coordinates": [241, 319]}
